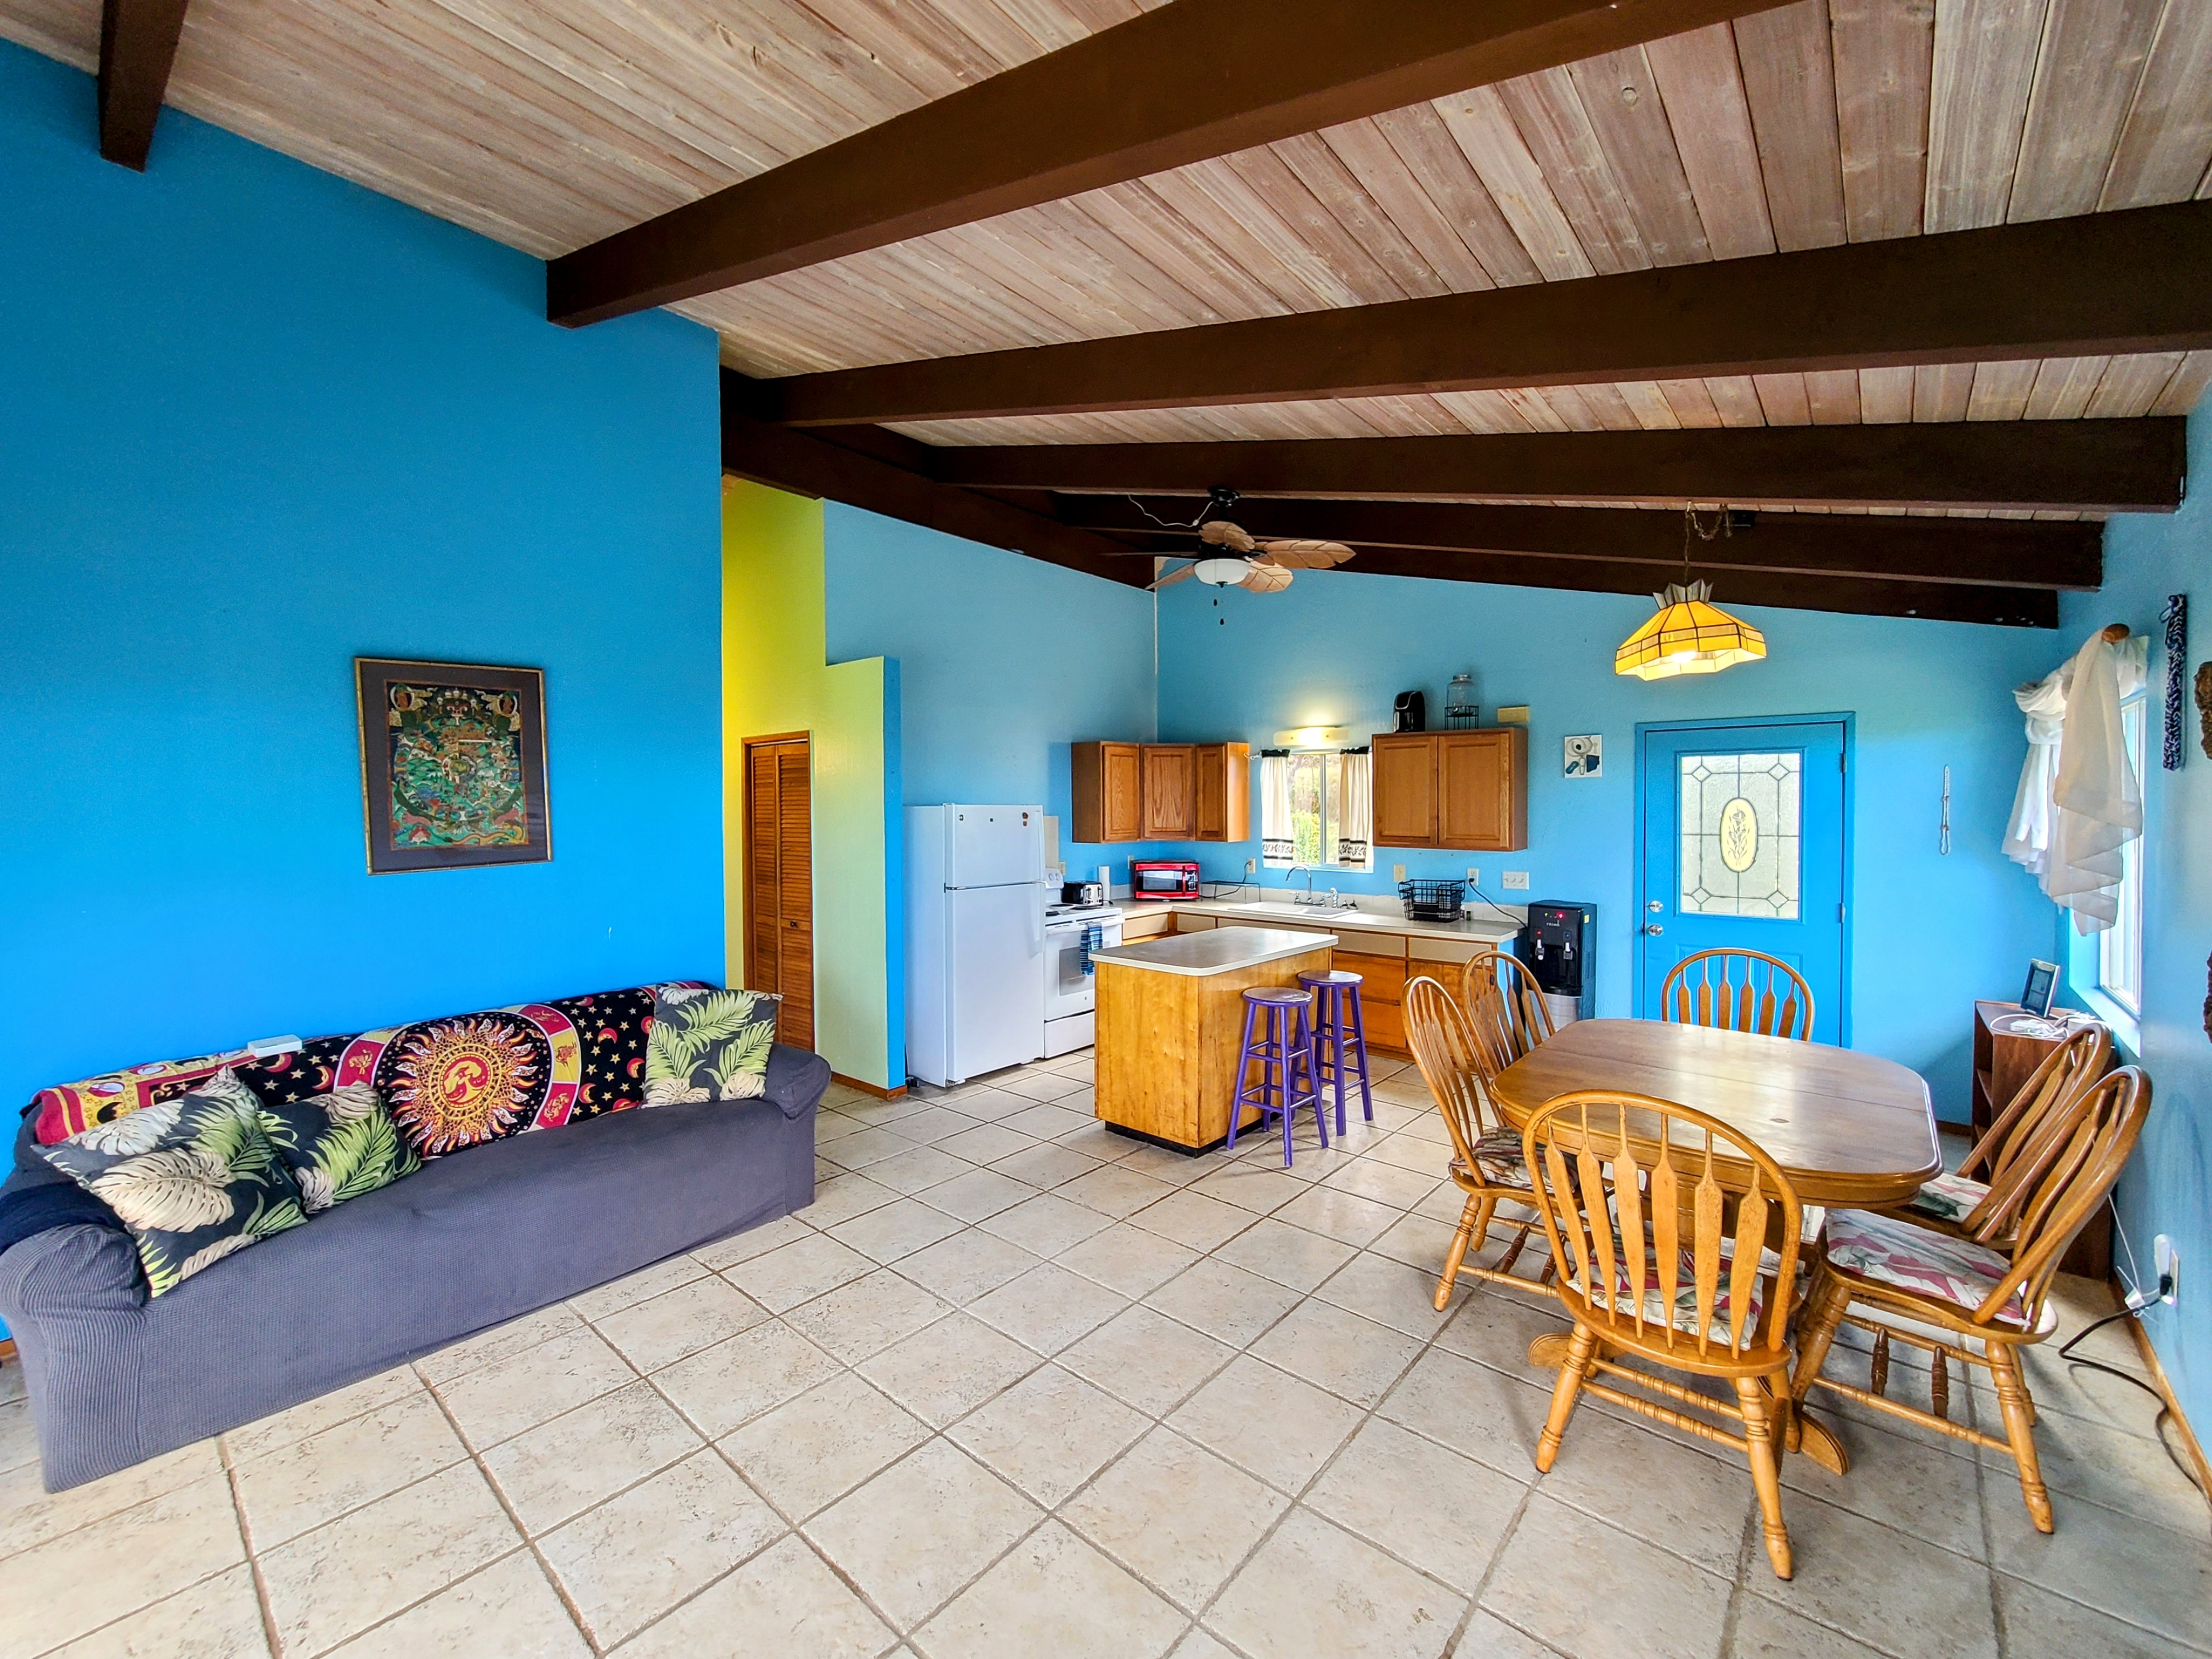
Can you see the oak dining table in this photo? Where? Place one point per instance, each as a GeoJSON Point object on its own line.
{"type": "Point", "coordinates": [1851, 1130]}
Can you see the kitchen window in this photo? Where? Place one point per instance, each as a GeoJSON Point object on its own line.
{"type": "Point", "coordinates": [2120, 947]}
{"type": "Point", "coordinates": [1315, 810]}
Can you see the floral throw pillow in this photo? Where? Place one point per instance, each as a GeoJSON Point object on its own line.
{"type": "Point", "coordinates": [195, 1179]}
{"type": "Point", "coordinates": [706, 1044]}
{"type": "Point", "coordinates": [338, 1146]}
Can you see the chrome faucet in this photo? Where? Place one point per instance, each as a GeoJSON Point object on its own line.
{"type": "Point", "coordinates": [1308, 898]}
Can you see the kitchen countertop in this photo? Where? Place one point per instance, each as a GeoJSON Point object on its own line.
{"type": "Point", "coordinates": [1216, 950]}
{"type": "Point", "coordinates": [1486, 928]}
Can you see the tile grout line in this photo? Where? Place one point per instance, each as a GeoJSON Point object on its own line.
{"type": "Point", "coordinates": [545, 1567]}
{"type": "Point", "coordinates": [269, 1631]}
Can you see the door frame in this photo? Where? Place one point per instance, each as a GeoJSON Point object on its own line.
{"type": "Point", "coordinates": [745, 747]}
{"type": "Point", "coordinates": [1733, 722]}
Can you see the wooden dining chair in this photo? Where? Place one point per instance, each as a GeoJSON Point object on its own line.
{"type": "Point", "coordinates": [1457, 1065]}
{"type": "Point", "coordinates": [1982, 1200]}
{"type": "Point", "coordinates": [1880, 1269]}
{"type": "Point", "coordinates": [1738, 991]}
{"type": "Point", "coordinates": [1504, 1004]}
{"type": "Point", "coordinates": [1657, 1217]}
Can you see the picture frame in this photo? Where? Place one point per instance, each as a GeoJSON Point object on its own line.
{"type": "Point", "coordinates": [452, 764]}
{"type": "Point", "coordinates": [2042, 986]}
{"type": "Point", "coordinates": [1584, 756]}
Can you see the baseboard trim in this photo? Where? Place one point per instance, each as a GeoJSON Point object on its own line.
{"type": "Point", "coordinates": [2189, 1444]}
{"type": "Point", "coordinates": [876, 1090]}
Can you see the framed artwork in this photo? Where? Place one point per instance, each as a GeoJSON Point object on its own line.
{"type": "Point", "coordinates": [452, 764]}
{"type": "Point", "coordinates": [1585, 756]}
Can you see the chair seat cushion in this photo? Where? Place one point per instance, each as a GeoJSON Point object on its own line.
{"type": "Point", "coordinates": [1894, 1252]}
{"type": "Point", "coordinates": [1947, 1198]}
{"type": "Point", "coordinates": [1498, 1160]}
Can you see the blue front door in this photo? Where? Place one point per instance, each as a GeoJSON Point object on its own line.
{"type": "Point", "coordinates": [1743, 848]}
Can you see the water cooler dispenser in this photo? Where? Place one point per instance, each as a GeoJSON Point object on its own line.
{"type": "Point", "coordinates": [1555, 945]}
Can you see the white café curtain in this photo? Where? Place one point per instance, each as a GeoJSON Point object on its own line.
{"type": "Point", "coordinates": [1277, 844]}
{"type": "Point", "coordinates": [2080, 801]}
{"type": "Point", "coordinates": [1355, 809]}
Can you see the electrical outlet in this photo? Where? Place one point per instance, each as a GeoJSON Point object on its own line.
{"type": "Point", "coordinates": [1473, 876]}
{"type": "Point", "coordinates": [1516, 881]}
{"type": "Point", "coordinates": [2167, 1261]}
{"type": "Point", "coordinates": [1397, 872]}
{"type": "Point", "coordinates": [1251, 866]}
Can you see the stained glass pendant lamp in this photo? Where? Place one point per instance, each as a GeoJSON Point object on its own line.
{"type": "Point", "coordinates": [1690, 634]}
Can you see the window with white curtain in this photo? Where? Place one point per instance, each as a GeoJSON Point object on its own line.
{"type": "Point", "coordinates": [2120, 947]}
{"type": "Point", "coordinates": [1315, 810]}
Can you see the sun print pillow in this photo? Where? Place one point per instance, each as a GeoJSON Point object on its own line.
{"type": "Point", "coordinates": [338, 1146]}
{"type": "Point", "coordinates": [195, 1179]}
{"type": "Point", "coordinates": [706, 1044]}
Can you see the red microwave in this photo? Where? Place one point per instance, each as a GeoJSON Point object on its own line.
{"type": "Point", "coordinates": [1163, 878]}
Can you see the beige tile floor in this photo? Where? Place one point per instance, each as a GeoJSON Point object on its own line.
{"type": "Point", "coordinates": [1013, 1386]}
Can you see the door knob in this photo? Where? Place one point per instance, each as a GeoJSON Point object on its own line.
{"type": "Point", "coordinates": [1654, 928]}
{"type": "Point", "coordinates": [1655, 905]}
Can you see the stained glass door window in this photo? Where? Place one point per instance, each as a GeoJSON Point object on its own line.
{"type": "Point", "coordinates": [1740, 834]}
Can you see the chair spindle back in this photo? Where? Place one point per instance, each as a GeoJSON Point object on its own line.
{"type": "Point", "coordinates": [1606, 1165]}
{"type": "Point", "coordinates": [1453, 1064]}
{"type": "Point", "coordinates": [2017, 1149]}
{"type": "Point", "coordinates": [1505, 1006]}
{"type": "Point", "coordinates": [1738, 991]}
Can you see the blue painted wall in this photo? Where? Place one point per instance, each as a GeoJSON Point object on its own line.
{"type": "Point", "coordinates": [1932, 934]}
{"type": "Point", "coordinates": [2167, 1187]}
{"type": "Point", "coordinates": [1004, 661]}
{"type": "Point", "coordinates": [257, 421]}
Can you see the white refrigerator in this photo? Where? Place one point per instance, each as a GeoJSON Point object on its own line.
{"type": "Point", "coordinates": [975, 939]}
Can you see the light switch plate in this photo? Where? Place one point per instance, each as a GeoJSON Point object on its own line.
{"type": "Point", "coordinates": [1397, 872]}
{"type": "Point", "coordinates": [1516, 881]}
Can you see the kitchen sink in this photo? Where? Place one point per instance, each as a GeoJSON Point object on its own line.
{"type": "Point", "coordinates": [1314, 915]}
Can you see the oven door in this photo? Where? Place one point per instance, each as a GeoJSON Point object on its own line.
{"type": "Point", "coordinates": [1071, 986]}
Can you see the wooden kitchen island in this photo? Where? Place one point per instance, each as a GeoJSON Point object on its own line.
{"type": "Point", "coordinates": [1171, 1026]}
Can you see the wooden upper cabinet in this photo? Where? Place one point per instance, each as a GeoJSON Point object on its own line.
{"type": "Point", "coordinates": [1460, 789]}
{"type": "Point", "coordinates": [1109, 792]}
{"type": "Point", "coordinates": [1224, 791]}
{"type": "Point", "coordinates": [1171, 792]}
{"type": "Point", "coordinates": [1482, 789]}
{"type": "Point", "coordinates": [1404, 780]}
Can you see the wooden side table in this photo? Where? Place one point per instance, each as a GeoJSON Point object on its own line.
{"type": "Point", "coordinates": [2009, 1043]}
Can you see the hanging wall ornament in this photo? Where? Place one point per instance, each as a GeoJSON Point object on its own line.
{"type": "Point", "coordinates": [2204, 706]}
{"type": "Point", "coordinates": [2176, 618]}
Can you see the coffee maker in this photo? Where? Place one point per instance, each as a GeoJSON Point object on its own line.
{"type": "Point", "coordinates": [1409, 712]}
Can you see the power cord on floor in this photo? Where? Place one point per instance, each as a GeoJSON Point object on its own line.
{"type": "Point", "coordinates": [2136, 1301]}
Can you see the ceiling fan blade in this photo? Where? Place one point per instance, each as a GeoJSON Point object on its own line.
{"type": "Point", "coordinates": [1172, 577]}
{"type": "Point", "coordinates": [1263, 577]}
{"type": "Point", "coordinates": [1304, 555]}
{"type": "Point", "coordinates": [1220, 532]}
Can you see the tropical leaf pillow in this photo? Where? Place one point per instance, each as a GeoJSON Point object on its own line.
{"type": "Point", "coordinates": [706, 1044]}
{"type": "Point", "coordinates": [338, 1146]}
{"type": "Point", "coordinates": [195, 1179]}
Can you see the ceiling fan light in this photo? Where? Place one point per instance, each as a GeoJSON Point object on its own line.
{"type": "Point", "coordinates": [1223, 573]}
{"type": "Point", "coordinates": [1688, 635]}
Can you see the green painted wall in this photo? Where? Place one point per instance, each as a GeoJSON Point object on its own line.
{"type": "Point", "coordinates": [775, 679]}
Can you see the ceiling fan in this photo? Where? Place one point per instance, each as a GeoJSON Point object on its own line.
{"type": "Point", "coordinates": [1258, 564]}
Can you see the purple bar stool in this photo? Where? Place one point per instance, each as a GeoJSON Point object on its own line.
{"type": "Point", "coordinates": [1277, 1040]}
{"type": "Point", "coordinates": [1339, 1026]}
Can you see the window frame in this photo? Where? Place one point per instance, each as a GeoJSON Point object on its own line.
{"type": "Point", "coordinates": [1331, 816]}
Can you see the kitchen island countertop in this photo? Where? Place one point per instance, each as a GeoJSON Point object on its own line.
{"type": "Point", "coordinates": [1216, 950]}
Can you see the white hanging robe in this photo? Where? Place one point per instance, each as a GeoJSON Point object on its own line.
{"type": "Point", "coordinates": [2028, 837]}
{"type": "Point", "coordinates": [2096, 798]}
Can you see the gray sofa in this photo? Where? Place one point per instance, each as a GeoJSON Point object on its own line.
{"type": "Point", "coordinates": [472, 1240]}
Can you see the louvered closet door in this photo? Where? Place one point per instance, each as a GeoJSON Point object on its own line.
{"type": "Point", "coordinates": [780, 880]}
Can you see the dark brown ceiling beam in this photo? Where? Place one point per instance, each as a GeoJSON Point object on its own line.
{"type": "Point", "coordinates": [2089, 466]}
{"type": "Point", "coordinates": [2101, 284]}
{"type": "Point", "coordinates": [1182, 83]}
{"type": "Point", "coordinates": [2016, 607]}
{"type": "Point", "coordinates": [807, 465]}
{"type": "Point", "coordinates": [137, 47]}
{"type": "Point", "coordinates": [1969, 552]}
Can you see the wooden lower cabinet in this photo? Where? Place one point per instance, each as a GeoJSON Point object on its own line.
{"type": "Point", "coordinates": [1379, 995]}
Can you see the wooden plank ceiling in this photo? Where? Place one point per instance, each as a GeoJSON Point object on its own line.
{"type": "Point", "coordinates": [553, 125]}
